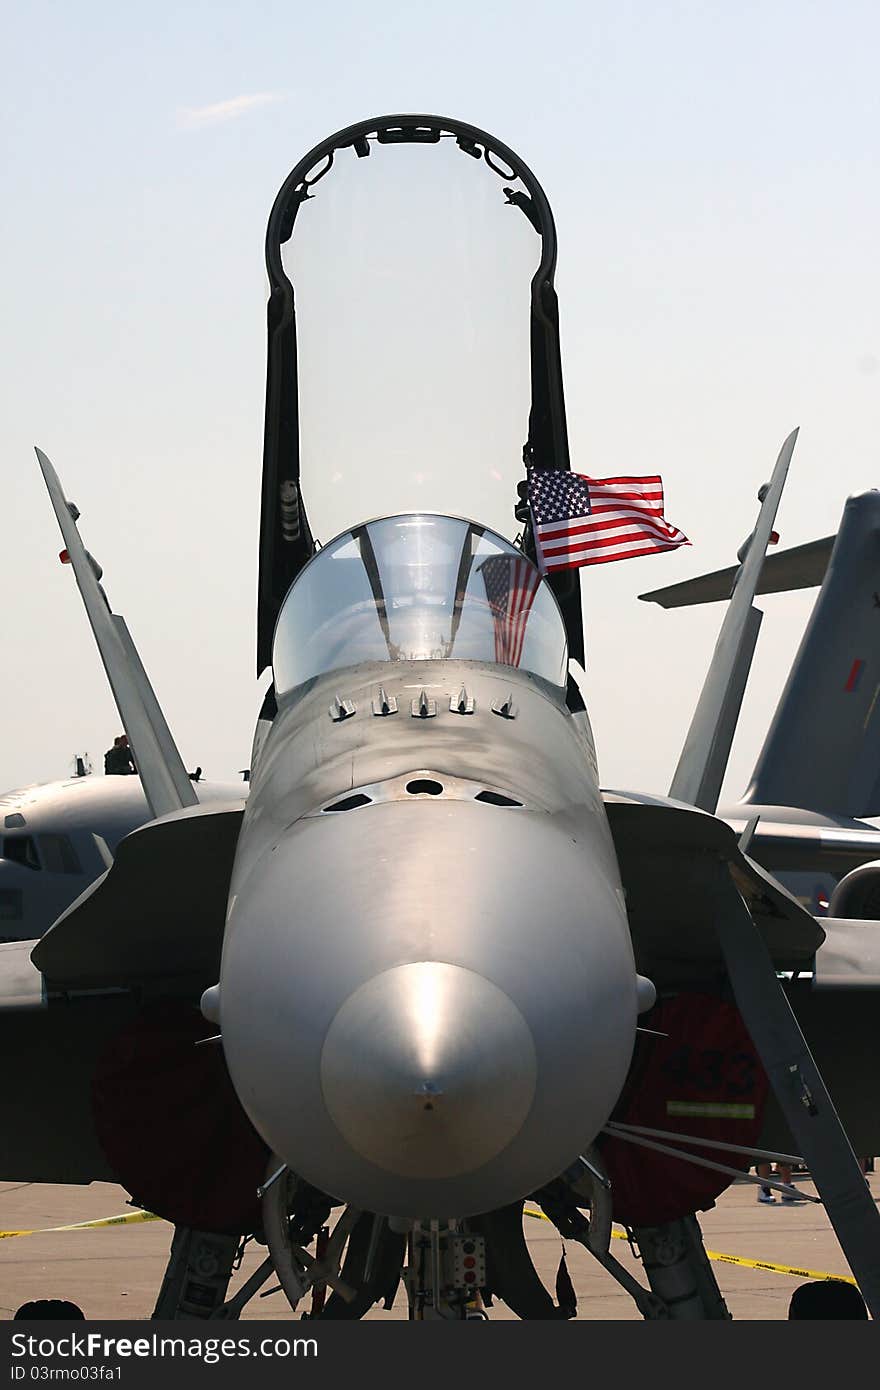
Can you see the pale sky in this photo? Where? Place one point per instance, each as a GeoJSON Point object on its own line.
{"type": "Point", "coordinates": [713, 170]}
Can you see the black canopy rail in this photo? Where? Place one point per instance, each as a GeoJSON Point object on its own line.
{"type": "Point", "coordinates": [286, 540]}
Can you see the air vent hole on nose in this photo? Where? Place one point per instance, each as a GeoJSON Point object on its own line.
{"type": "Point", "coordinates": [424, 786]}
{"type": "Point", "coordinates": [349, 803]}
{"type": "Point", "coordinates": [496, 799]}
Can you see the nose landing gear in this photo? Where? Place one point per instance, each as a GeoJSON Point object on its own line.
{"type": "Point", "coordinates": [446, 1271]}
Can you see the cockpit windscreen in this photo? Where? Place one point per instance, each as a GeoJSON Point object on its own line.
{"type": "Point", "coordinates": [418, 588]}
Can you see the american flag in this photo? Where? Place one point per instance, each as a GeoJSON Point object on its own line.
{"type": "Point", "coordinates": [589, 521]}
{"type": "Point", "coordinates": [511, 584]}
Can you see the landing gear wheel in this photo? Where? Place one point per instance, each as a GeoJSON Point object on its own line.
{"type": "Point", "coordinates": [297, 1270]}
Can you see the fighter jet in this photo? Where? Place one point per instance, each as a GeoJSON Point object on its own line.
{"type": "Point", "coordinates": [438, 971]}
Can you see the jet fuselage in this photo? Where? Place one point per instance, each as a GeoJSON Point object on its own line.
{"type": "Point", "coordinates": [428, 994]}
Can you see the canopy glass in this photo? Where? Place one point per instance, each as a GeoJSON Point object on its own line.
{"type": "Point", "coordinates": [418, 587]}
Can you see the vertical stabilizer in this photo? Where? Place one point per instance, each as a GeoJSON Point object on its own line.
{"type": "Point", "coordinates": [703, 759]}
{"type": "Point", "coordinates": [822, 751]}
{"type": "Point", "coordinates": [164, 778]}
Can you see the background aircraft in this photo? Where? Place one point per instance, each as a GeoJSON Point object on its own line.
{"type": "Point", "coordinates": [426, 938]}
{"type": "Point", "coordinates": [56, 838]}
{"type": "Point", "coordinates": [817, 778]}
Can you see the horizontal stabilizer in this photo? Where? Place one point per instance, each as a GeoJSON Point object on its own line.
{"type": "Point", "coordinates": [802, 567]}
{"type": "Point", "coordinates": [164, 778]}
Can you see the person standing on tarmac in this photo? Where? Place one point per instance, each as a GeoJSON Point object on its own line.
{"type": "Point", "coordinates": [765, 1194]}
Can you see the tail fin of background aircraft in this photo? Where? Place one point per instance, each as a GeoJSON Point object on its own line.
{"type": "Point", "coordinates": [822, 751]}
{"type": "Point", "coordinates": [164, 778]}
{"type": "Point", "coordinates": [703, 759]}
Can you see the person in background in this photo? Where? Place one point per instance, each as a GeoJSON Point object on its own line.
{"type": "Point", "coordinates": [783, 1172]}
{"type": "Point", "coordinates": [118, 760]}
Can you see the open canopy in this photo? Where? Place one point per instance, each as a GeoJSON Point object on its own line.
{"type": "Point", "coordinates": [422, 360]}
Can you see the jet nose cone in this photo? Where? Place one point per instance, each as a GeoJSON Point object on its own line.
{"type": "Point", "coordinates": [428, 1070]}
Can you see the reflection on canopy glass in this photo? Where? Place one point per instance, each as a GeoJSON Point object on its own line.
{"type": "Point", "coordinates": [412, 274]}
{"type": "Point", "coordinates": [417, 588]}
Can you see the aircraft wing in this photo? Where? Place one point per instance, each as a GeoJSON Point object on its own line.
{"type": "Point", "coordinates": [158, 913]}
{"type": "Point", "coordinates": [150, 929]}
{"type": "Point", "coordinates": [164, 778]}
{"type": "Point", "coordinates": [703, 759]}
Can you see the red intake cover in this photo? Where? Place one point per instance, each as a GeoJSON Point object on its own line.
{"type": "Point", "coordinates": [171, 1124]}
{"type": "Point", "coordinates": [704, 1079]}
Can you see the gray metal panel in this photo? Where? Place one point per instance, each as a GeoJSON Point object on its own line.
{"type": "Point", "coordinates": [21, 984]}
{"type": "Point", "coordinates": [703, 760]}
{"type": "Point", "coordinates": [822, 750]}
{"type": "Point", "coordinates": [801, 567]}
{"type": "Point", "coordinates": [849, 958]}
{"type": "Point", "coordinates": [158, 914]}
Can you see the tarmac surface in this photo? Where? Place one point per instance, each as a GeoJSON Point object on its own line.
{"type": "Point", "coordinates": [115, 1272]}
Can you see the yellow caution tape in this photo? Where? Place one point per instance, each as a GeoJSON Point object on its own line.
{"type": "Point", "coordinates": [776, 1269]}
{"type": "Point", "coordinates": [134, 1218]}
{"type": "Point", "coordinates": [128, 1218]}
{"type": "Point", "coordinates": [737, 1259]}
